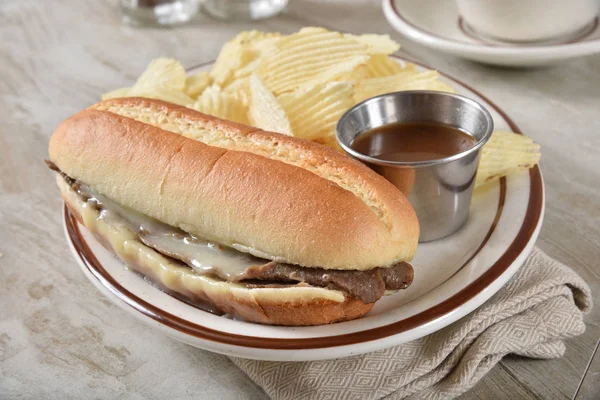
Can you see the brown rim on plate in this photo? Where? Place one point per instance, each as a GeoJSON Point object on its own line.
{"type": "Point", "coordinates": [530, 222]}
{"type": "Point", "coordinates": [588, 31]}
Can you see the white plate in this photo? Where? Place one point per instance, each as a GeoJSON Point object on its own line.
{"type": "Point", "coordinates": [453, 276]}
{"type": "Point", "coordinates": [437, 24]}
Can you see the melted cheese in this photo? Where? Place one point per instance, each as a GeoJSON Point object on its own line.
{"type": "Point", "coordinates": [204, 257]}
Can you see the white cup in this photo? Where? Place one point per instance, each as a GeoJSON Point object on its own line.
{"type": "Point", "coordinates": [527, 20]}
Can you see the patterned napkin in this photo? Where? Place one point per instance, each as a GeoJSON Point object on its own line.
{"type": "Point", "coordinates": [530, 316]}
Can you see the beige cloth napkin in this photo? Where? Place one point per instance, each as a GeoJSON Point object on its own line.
{"type": "Point", "coordinates": [542, 305]}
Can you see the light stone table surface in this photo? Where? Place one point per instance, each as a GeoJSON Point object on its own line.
{"type": "Point", "coordinates": [60, 339]}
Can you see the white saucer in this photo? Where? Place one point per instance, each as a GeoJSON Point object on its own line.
{"type": "Point", "coordinates": [437, 24]}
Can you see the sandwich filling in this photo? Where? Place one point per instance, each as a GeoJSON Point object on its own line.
{"type": "Point", "coordinates": [228, 264]}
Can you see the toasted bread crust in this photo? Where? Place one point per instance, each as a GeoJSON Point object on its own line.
{"type": "Point", "coordinates": [271, 195]}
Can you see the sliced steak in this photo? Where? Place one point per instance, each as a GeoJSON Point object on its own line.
{"type": "Point", "coordinates": [398, 276]}
{"type": "Point", "coordinates": [364, 285]}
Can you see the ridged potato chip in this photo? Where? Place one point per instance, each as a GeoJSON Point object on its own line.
{"type": "Point", "coordinates": [506, 153]}
{"type": "Point", "coordinates": [381, 65]}
{"type": "Point", "coordinates": [257, 49]}
{"type": "Point", "coordinates": [164, 79]}
{"type": "Point", "coordinates": [329, 141]}
{"type": "Point", "coordinates": [214, 101]}
{"type": "Point", "coordinates": [311, 56]}
{"type": "Point", "coordinates": [314, 112]}
{"type": "Point", "coordinates": [357, 74]}
{"type": "Point", "coordinates": [161, 93]}
{"type": "Point", "coordinates": [253, 38]}
{"type": "Point", "coordinates": [436, 85]}
{"type": "Point", "coordinates": [246, 70]}
{"type": "Point", "coordinates": [265, 112]}
{"type": "Point", "coordinates": [195, 84]}
{"type": "Point", "coordinates": [165, 72]}
{"type": "Point", "coordinates": [376, 44]}
{"type": "Point", "coordinates": [407, 80]}
{"type": "Point", "coordinates": [231, 57]}
{"type": "Point", "coordinates": [240, 88]}
{"type": "Point", "coordinates": [239, 52]}
{"type": "Point", "coordinates": [113, 94]}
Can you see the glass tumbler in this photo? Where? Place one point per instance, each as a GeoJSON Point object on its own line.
{"type": "Point", "coordinates": [243, 9]}
{"type": "Point", "coordinates": [158, 12]}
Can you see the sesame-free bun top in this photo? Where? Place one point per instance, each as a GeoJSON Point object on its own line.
{"type": "Point", "coordinates": [268, 194]}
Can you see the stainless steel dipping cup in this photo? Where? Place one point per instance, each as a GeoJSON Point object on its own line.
{"type": "Point", "coordinates": [439, 190]}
